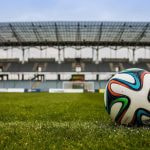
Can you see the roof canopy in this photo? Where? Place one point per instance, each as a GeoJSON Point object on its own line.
{"type": "Point", "coordinates": [75, 34]}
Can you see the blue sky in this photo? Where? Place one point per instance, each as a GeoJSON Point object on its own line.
{"type": "Point", "coordinates": [70, 10]}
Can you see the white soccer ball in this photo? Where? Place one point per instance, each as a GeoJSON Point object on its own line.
{"type": "Point", "coordinates": [127, 97]}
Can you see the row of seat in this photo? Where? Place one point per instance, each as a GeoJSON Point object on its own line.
{"type": "Point", "coordinates": [70, 66]}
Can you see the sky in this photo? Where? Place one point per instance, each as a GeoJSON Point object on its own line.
{"type": "Point", "coordinates": [74, 10]}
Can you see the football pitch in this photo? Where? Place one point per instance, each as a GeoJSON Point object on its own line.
{"type": "Point", "coordinates": [63, 122]}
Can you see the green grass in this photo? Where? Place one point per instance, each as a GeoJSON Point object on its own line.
{"type": "Point", "coordinates": [65, 122]}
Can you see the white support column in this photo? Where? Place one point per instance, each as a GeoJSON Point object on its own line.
{"type": "Point", "coordinates": [59, 55]}
{"type": "Point", "coordinates": [145, 54]}
{"type": "Point", "coordinates": [115, 53]}
{"type": "Point", "coordinates": [46, 53]}
{"type": "Point", "coordinates": [133, 56]}
{"type": "Point", "coordinates": [110, 53]}
{"type": "Point", "coordinates": [23, 55]}
{"type": "Point", "coordinates": [7, 53]}
{"type": "Point", "coordinates": [63, 54]}
{"type": "Point", "coordinates": [128, 53]}
{"type": "Point", "coordinates": [93, 53]}
{"type": "Point", "coordinates": [41, 52]}
{"type": "Point", "coordinates": [97, 56]}
{"type": "Point", "coordinates": [28, 54]}
{"type": "Point", "coordinates": [11, 52]}
{"type": "Point", "coordinates": [78, 53]}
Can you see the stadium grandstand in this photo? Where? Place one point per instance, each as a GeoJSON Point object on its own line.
{"type": "Point", "coordinates": [78, 72]}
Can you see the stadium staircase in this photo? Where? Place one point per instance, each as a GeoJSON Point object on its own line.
{"type": "Point", "coordinates": [7, 66]}
{"type": "Point", "coordinates": [35, 67]}
{"type": "Point", "coordinates": [36, 84]}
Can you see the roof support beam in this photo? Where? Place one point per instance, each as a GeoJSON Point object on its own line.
{"type": "Point", "coordinates": [58, 38]}
{"type": "Point", "coordinates": [78, 34]}
{"type": "Point", "coordinates": [15, 34]}
{"type": "Point", "coordinates": [2, 39]}
{"type": "Point", "coordinates": [119, 35]}
{"type": "Point", "coordinates": [65, 44]}
{"type": "Point", "coordinates": [38, 37]}
{"type": "Point", "coordinates": [99, 35]}
{"type": "Point", "coordinates": [142, 34]}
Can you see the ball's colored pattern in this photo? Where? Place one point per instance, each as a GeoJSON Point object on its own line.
{"type": "Point", "coordinates": [127, 97]}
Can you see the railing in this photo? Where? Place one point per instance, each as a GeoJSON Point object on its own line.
{"type": "Point", "coordinates": [54, 75]}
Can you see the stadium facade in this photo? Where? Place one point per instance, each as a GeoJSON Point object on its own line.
{"type": "Point", "coordinates": [89, 74]}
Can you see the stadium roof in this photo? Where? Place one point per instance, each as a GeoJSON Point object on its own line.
{"type": "Point", "coordinates": [75, 34]}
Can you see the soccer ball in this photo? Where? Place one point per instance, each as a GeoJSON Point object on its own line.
{"type": "Point", "coordinates": [127, 97]}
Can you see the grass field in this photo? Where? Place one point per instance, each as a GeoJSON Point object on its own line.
{"type": "Point", "coordinates": [65, 122]}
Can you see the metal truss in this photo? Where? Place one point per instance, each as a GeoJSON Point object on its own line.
{"type": "Point", "coordinates": [36, 32]}
{"type": "Point", "coordinates": [120, 33]}
{"type": "Point", "coordinates": [15, 34]}
{"type": "Point", "coordinates": [99, 35]}
{"type": "Point", "coordinates": [78, 35]}
{"type": "Point", "coordinates": [142, 34]}
{"type": "Point", "coordinates": [75, 34]}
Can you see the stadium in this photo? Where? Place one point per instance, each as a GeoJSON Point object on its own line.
{"type": "Point", "coordinates": [56, 101]}
{"type": "Point", "coordinates": [78, 72]}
